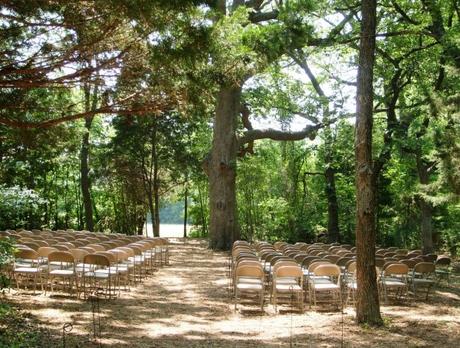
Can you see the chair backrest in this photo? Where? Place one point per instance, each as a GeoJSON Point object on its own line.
{"type": "Point", "coordinates": [111, 257]}
{"type": "Point", "coordinates": [282, 263]}
{"type": "Point", "coordinates": [96, 259]}
{"type": "Point", "coordinates": [33, 245]}
{"type": "Point", "coordinates": [61, 256]}
{"type": "Point", "coordinates": [299, 258]}
{"type": "Point", "coordinates": [430, 257]}
{"type": "Point", "coordinates": [269, 257]}
{"type": "Point", "coordinates": [120, 254]}
{"type": "Point", "coordinates": [79, 254]}
{"type": "Point", "coordinates": [278, 258]}
{"type": "Point", "coordinates": [67, 244]}
{"type": "Point", "coordinates": [27, 254]}
{"type": "Point", "coordinates": [25, 234]}
{"type": "Point", "coordinates": [88, 249]}
{"type": "Point", "coordinates": [443, 261]}
{"type": "Point", "coordinates": [45, 251]}
{"type": "Point", "coordinates": [289, 271]}
{"type": "Point", "coordinates": [249, 271]}
{"type": "Point", "coordinates": [128, 251]}
{"type": "Point", "coordinates": [401, 252]}
{"type": "Point", "coordinates": [333, 258]}
{"type": "Point", "coordinates": [424, 267]}
{"type": "Point", "coordinates": [247, 262]}
{"type": "Point", "coordinates": [246, 257]}
{"type": "Point", "coordinates": [62, 247]}
{"type": "Point", "coordinates": [97, 247]}
{"type": "Point", "coordinates": [351, 268]}
{"type": "Point", "coordinates": [291, 253]}
{"type": "Point", "coordinates": [308, 260]}
{"type": "Point", "coordinates": [316, 264]}
{"type": "Point", "coordinates": [396, 269]}
{"type": "Point", "coordinates": [240, 242]}
{"type": "Point", "coordinates": [79, 243]}
{"type": "Point", "coordinates": [327, 270]}
{"type": "Point", "coordinates": [136, 249]}
{"type": "Point", "coordinates": [343, 261]}
{"type": "Point", "coordinates": [410, 263]}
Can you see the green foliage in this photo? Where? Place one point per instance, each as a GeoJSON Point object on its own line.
{"type": "Point", "coordinates": [6, 257]}
{"type": "Point", "coordinates": [20, 207]}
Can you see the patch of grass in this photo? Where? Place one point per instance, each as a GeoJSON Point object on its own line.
{"type": "Point", "coordinates": [19, 330]}
{"type": "Point", "coordinates": [387, 321]}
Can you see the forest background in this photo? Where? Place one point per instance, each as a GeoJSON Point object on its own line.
{"type": "Point", "coordinates": [107, 111]}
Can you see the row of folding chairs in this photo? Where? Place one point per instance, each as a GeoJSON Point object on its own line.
{"type": "Point", "coordinates": [248, 277]}
{"type": "Point", "coordinates": [99, 263]}
{"type": "Point", "coordinates": [336, 276]}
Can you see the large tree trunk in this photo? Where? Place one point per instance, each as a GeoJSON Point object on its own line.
{"type": "Point", "coordinates": [221, 169]}
{"type": "Point", "coordinates": [367, 306]}
{"type": "Point", "coordinates": [426, 209]}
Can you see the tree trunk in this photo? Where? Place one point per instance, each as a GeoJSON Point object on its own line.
{"type": "Point", "coordinates": [221, 169]}
{"type": "Point", "coordinates": [90, 104]}
{"type": "Point", "coordinates": [426, 209]}
{"type": "Point", "coordinates": [84, 177]}
{"type": "Point", "coordinates": [156, 195]}
{"type": "Point", "coordinates": [156, 189]}
{"type": "Point", "coordinates": [367, 306]}
{"type": "Point", "coordinates": [332, 206]}
{"type": "Point", "coordinates": [185, 207]}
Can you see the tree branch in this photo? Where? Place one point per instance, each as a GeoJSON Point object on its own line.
{"type": "Point", "coordinates": [117, 108]}
{"type": "Point", "coordinates": [274, 134]}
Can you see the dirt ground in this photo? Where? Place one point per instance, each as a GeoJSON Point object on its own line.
{"type": "Point", "coordinates": [187, 304]}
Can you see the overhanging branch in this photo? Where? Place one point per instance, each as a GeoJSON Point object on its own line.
{"type": "Point", "coordinates": [274, 134]}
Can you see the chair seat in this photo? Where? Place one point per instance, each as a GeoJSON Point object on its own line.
{"type": "Point", "coordinates": [22, 264]}
{"type": "Point", "coordinates": [108, 271]}
{"type": "Point", "coordinates": [287, 281]}
{"type": "Point", "coordinates": [422, 281]}
{"type": "Point", "coordinates": [325, 287]}
{"type": "Point", "coordinates": [27, 270]}
{"type": "Point", "coordinates": [249, 280]}
{"type": "Point", "coordinates": [249, 286]}
{"type": "Point", "coordinates": [320, 280]}
{"type": "Point", "coordinates": [287, 287]}
{"type": "Point", "coordinates": [394, 283]}
{"type": "Point", "coordinates": [63, 272]}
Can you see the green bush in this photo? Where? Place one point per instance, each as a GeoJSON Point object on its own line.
{"type": "Point", "coordinates": [6, 257]}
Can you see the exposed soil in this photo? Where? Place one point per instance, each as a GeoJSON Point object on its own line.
{"type": "Point", "coordinates": [187, 304]}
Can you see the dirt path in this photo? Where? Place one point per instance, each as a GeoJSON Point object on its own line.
{"type": "Point", "coordinates": [187, 305]}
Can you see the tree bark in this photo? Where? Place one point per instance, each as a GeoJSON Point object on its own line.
{"type": "Point", "coordinates": [426, 209]}
{"type": "Point", "coordinates": [332, 206]}
{"type": "Point", "coordinates": [185, 207]}
{"type": "Point", "coordinates": [367, 306]}
{"type": "Point", "coordinates": [221, 169]}
{"type": "Point", "coordinates": [84, 177]}
{"type": "Point", "coordinates": [156, 185]}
